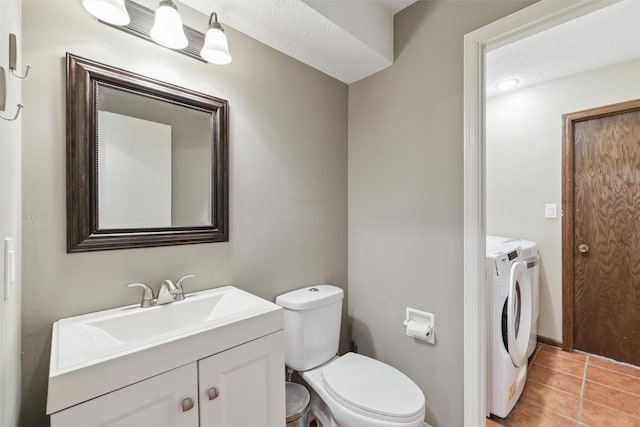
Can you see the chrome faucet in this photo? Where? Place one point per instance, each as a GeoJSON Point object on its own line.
{"type": "Point", "coordinates": [169, 292]}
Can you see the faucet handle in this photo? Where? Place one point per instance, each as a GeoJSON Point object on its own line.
{"type": "Point", "coordinates": [180, 280]}
{"type": "Point", "coordinates": [147, 296]}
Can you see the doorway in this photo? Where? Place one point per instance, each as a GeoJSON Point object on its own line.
{"type": "Point", "coordinates": [536, 18]}
{"type": "Point", "coordinates": [601, 235]}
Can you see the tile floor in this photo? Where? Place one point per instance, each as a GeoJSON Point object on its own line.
{"type": "Point", "coordinates": [576, 389]}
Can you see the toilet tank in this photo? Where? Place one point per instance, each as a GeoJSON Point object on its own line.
{"type": "Point", "coordinates": [311, 325]}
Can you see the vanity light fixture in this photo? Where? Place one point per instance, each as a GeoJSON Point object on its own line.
{"type": "Point", "coordinates": [507, 84]}
{"type": "Point", "coordinates": [113, 12]}
{"type": "Point", "coordinates": [164, 26]}
{"type": "Point", "coordinates": [216, 47]}
{"type": "Point", "coordinates": [167, 28]}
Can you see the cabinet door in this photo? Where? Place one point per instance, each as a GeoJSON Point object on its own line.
{"type": "Point", "coordinates": [244, 386]}
{"type": "Point", "coordinates": [155, 402]}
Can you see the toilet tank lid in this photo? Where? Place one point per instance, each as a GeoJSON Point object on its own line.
{"type": "Point", "coordinates": [310, 297]}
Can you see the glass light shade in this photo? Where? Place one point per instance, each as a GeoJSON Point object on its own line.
{"type": "Point", "coordinates": [167, 28]}
{"type": "Point", "coordinates": [216, 48]}
{"type": "Point", "coordinates": [111, 11]}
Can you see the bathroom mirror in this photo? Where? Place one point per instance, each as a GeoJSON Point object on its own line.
{"type": "Point", "coordinates": [147, 161]}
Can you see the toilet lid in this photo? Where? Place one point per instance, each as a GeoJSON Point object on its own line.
{"type": "Point", "coordinates": [372, 386]}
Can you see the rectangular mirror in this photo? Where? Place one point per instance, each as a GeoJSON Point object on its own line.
{"type": "Point", "coordinates": [147, 162]}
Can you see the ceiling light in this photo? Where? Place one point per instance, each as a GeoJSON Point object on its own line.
{"type": "Point", "coordinates": [167, 29]}
{"type": "Point", "coordinates": [507, 84]}
{"type": "Point", "coordinates": [215, 48]}
{"type": "Point", "coordinates": [111, 11]}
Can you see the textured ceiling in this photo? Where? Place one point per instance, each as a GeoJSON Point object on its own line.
{"type": "Point", "coordinates": [606, 37]}
{"type": "Point", "coordinates": [346, 39]}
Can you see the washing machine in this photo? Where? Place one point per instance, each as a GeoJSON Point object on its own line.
{"type": "Point", "coordinates": [531, 257]}
{"type": "Point", "coordinates": [510, 314]}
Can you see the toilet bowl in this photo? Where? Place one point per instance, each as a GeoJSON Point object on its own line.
{"type": "Point", "coordinates": [350, 390]}
{"type": "Point", "coordinates": [360, 391]}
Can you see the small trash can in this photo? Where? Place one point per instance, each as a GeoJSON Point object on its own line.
{"type": "Point", "coordinates": [297, 405]}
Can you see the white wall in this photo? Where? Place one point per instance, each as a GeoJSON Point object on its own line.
{"type": "Point", "coordinates": [524, 166]}
{"type": "Point", "coordinates": [406, 199]}
{"type": "Point", "coordinates": [288, 174]}
{"type": "Point", "coordinates": [10, 219]}
{"type": "Point", "coordinates": [134, 172]}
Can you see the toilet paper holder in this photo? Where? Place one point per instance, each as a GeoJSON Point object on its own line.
{"type": "Point", "coordinates": [420, 325]}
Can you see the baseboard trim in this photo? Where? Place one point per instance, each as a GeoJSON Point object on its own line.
{"type": "Point", "coordinates": [549, 341]}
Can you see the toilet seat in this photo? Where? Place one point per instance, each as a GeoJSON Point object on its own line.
{"type": "Point", "coordinates": [372, 388]}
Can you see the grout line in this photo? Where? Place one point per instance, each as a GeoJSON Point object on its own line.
{"type": "Point", "coordinates": [554, 388]}
{"type": "Point", "coordinates": [615, 362]}
{"type": "Point", "coordinates": [611, 408]}
{"type": "Point", "coordinates": [558, 370]}
{"type": "Point", "coordinates": [584, 383]}
{"type": "Point", "coordinates": [635, 377]}
{"type": "Point", "coordinates": [560, 355]}
{"type": "Point", "coordinates": [616, 388]}
{"type": "Point", "coordinates": [545, 409]}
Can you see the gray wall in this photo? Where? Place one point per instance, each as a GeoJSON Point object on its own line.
{"type": "Point", "coordinates": [10, 220]}
{"type": "Point", "coordinates": [288, 195]}
{"type": "Point", "coordinates": [406, 199]}
{"type": "Point", "coordinates": [524, 138]}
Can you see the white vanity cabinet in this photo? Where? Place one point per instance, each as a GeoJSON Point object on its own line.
{"type": "Point", "coordinates": [244, 386]}
{"type": "Point", "coordinates": [241, 386]}
{"type": "Point", "coordinates": [155, 402]}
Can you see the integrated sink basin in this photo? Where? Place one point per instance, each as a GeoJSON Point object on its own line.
{"type": "Point", "coordinates": [96, 353]}
{"type": "Point", "coordinates": [82, 339]}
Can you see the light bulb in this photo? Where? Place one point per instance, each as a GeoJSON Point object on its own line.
{"type": "Point", "coordinates": [167, 28]}
{"type": "Point", "coordinates": [112, 12]}
{"type": "Point", "coordinates": [507, 84]}
{"type": "Point", "coordinates": [215, 48]}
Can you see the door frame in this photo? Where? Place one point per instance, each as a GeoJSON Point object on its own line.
{"type": "Point", "coordinates": [568, 238]}
{"type": "Point", "coordinates": [531, 20]}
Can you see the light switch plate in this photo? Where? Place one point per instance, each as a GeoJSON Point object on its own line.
{"type": "Point", "coordinates": [9, 266]}
{"type": "Point", "coordinates": [551, 210]}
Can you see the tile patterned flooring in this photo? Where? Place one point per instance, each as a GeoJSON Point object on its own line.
{"type": "Point", "coordinates": [578, 390]}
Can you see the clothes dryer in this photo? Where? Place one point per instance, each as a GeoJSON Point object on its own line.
{"type": "Point", "coordinates": [531, 257]}
{"type": "Point", "coordinates": [509, 327]}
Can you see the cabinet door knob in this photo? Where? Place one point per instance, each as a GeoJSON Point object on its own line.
{"type": "Point", "coordinates": [213, 393]}
{"type": "Point", "coordinates": [187, 404]}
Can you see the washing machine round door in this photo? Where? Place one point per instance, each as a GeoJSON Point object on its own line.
{"type": "Point", "coordinates": [518, 314]}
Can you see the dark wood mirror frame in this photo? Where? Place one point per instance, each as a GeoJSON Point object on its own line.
{"type": "Point", "coordinates": [83, 233]}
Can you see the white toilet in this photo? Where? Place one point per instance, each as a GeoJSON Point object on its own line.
{"type": "Point", "coordinates": [350, 390]}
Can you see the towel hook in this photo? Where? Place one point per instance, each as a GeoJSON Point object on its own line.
{"type": "Point", "coordinates": [3, 97]}
{"type": "Point", "coordinates": [14, 117]}
{"type": "Point", "coordinates": [13, 54]}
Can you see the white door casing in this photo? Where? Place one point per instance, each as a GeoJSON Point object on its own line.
{"type": "Point", "coordinates": [531, 20]}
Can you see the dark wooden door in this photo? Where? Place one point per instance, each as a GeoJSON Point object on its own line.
{"type": "Point", "coordinates": [606, 230]}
